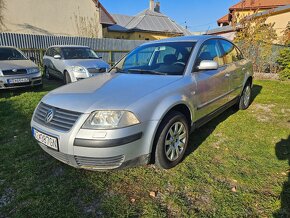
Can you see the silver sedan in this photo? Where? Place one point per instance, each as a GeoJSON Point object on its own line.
{"type": "Point", "coordinates": [144, 109]}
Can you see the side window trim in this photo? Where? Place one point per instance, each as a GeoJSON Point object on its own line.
{"type": "Point", "coordinates": [222, 51]}
{"type": "Point", "coordinates": [240, 52]}
{"type": "Point", "coordinates": [234, 46]}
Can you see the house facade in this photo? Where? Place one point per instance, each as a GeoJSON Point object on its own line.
{"type": "Point", "coordinates": [277, 12]}
{"type": "Point", "coordinates": [149, 24]}
{"type": "Point", "coordinates": [56, 17]}
{"type": "Point", "coordinates": [246, 8]}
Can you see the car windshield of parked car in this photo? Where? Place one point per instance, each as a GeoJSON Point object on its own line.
{"type": "Point", "coordinates": [10, 54]}
{"type": "Point", "coordinates": [168, 58]}
{"type": "Point", "coordinates": [79, 53]}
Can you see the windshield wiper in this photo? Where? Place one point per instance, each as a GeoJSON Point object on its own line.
{"type": "Point", "coordinates": [147, 71]}
{"type": "Point", "coordinates": [15, 59]}
{"type": "Point", "coordinates": [119, 70]}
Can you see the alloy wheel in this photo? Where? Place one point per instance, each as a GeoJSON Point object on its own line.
{"type": "Point", "coordinates": [175, 141]}
{"type": "Point", "coordinates": [247, 96]}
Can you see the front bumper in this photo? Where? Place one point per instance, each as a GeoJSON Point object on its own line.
{"type": "Point", "coordinates": [101, 149]}
{"type": "Point", "coordinates": [34, 80]}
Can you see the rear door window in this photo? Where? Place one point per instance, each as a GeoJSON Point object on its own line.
{"type": "Point", "coordinates": [230, 52]}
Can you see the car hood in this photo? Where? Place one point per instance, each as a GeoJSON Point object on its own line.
{"type": "Point", "coordinates": [16, 64]}
{"type": "Point", "coordinates": [108, 91]}
{"type": "Point", "coordinates": [87, 63]}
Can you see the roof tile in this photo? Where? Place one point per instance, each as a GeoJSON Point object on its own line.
{"type": "Point", "coordinates": [255, 4]}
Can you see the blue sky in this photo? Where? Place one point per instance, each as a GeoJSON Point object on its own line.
{"type": "Point", "coordinates": [199, 14]}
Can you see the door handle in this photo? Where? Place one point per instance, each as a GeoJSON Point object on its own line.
{"type": "Point", "coordinates": [227, 75]}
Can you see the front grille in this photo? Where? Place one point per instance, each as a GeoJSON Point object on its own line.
{"type": "Point", "coordinates": [62, 120]}
{"type": "Point", "coordinates": [14, 72]}
{"type": "Point", "coordinates": [100, 163]}
{"type": "Point", "coordinates": [17, 84]}
{"type": "Point", "coordinates": [96, 70]}
{"type": "Point", "coordinates": [57, 155]}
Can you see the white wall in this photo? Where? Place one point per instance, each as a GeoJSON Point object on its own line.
{"type": "Point", "coordinates": [53, 17]}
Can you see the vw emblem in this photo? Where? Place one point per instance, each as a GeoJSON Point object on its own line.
{"type": "Point", "coordinates": [49, 116]}
{"type": "Point", "coordinates": [14, 70]}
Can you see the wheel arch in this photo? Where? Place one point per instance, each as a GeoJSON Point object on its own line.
{"type": "Point", "coordinates": [181, 107]}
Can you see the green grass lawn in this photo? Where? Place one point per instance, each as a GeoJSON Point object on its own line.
{"type": "Point", "coordinates": [237, 165]}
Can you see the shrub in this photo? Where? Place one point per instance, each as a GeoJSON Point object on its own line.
{"type": "Point", "coordinates": [285, 74]}
{"type": "Point", "coordinates": [255, 37]}
{"type": "Point", "coordinates": [284, 63]}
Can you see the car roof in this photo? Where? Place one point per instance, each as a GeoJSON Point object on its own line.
{"type": "Point", "coordinates": [69, 46]}
{"type": "Point", "coordinates": [187, 39]}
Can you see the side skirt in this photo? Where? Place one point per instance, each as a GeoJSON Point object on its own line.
{"type": "Point", "coordinates": [197, 124]}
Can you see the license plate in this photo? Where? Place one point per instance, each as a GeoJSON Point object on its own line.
{"type": "Point", "coordinates": [45, 139]}
{"type": "Point", "coordinates": [21, 80]}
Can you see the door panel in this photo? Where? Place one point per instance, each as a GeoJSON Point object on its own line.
{"type": "Point", "coordinates": [57, 63]}
{"type": "Point", "coordinates": [212, 85]}
{"type": "Point", "coordinates": [235, 67]}
{"type": "Point", "coordinates": [212, 90]}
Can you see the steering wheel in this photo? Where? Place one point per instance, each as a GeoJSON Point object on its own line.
{"type": "Point", "coordinates": [179, 63]}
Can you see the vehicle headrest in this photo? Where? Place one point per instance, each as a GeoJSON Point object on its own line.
{"type": "Point", "coordinates": [169, 59]}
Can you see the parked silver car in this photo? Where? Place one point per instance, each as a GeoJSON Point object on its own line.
{"type": "Point", "coordinates": [144, 109]}
{"type": "Point", "coordinates": [72, 63]}
{"type": "Point", "coordinates": [16, 70]}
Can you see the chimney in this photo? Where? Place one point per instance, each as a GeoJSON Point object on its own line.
{"type": "Point", "coordinates": [157, 7]}
{"type": "Point", "coordinates": [152, 5]}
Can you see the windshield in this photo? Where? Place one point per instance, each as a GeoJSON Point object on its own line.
{"type": "Point", "coordinates": [159, 58]}
{"type": "Point", "coordinates": [79, 53]}
{"type": "Point", "coordinates": [10, 54]}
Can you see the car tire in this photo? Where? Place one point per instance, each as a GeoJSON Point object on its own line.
{"type": "Point", "coordinates": [47, 74]}
{"type": "Point", "coordinates": [245, 99]}
{"type": "Point", "coordinates": [171, 140]}
{"type": "Point", "coordinates": [66, 78]}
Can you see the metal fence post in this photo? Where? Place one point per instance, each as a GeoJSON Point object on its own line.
{"type": "Point", "coordinates": [111, 58]}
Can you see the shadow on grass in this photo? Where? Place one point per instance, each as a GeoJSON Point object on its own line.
{"type": "Point", "coordinates": [283, 153]}
{"type": "Point", "coordinates": [48, 85]}
{"type": "Point", "coordinates": [200, 134]}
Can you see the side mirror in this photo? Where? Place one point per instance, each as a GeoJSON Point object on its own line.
{"type": "Point", "coordinates": [32, 58]}
{"type": "Point", "coordinates": [100, 57]}
{"type": "Point", "coordinates": [57, 57]}
{"type": "Point", "coordinates": [208, 65]}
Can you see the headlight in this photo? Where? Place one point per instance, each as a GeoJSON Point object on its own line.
{"type": "Point", "coordinates": [32, 70]}
{"type": "Point", "coordinates": [1, 74]}
{"type": "Point", "coordinates": [110, 120]}
{"type": "Point", "coordinates": [77, 69]}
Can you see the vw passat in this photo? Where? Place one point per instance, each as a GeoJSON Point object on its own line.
{"type": "Point", "coordinates": [16, 70]}
{"type": "Point", "coordinates": [143, 109]}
